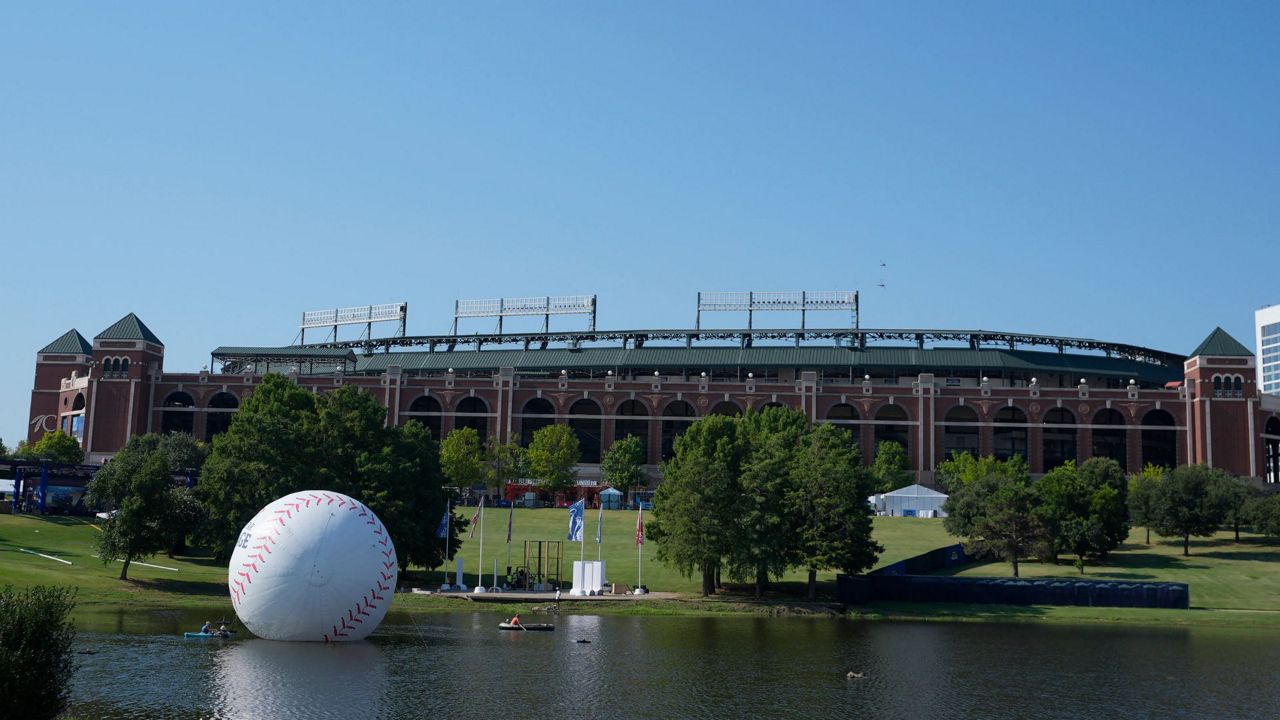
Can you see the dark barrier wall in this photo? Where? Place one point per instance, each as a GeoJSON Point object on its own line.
{"type": "Point", "coordinates": [862, 589]}
{"type": "Point", "coordinates": [928, 563]}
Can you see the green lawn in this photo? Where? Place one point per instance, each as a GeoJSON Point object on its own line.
{"type": "Point", "coordinates": [1221, 572]}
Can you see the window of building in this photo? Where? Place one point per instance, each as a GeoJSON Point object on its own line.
{"type": "Point", "coordinates": [584, 418]}
{"type": "Point", "coordinates": [960, 432]}
{"type": "Point", "coordinates": [676, 419]}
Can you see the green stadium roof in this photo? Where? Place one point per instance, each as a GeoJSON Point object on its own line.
{"type": "Point", "coordinates": [938, 360]}
{"type": "Point", "coordinates": [129, 327]}
{"type": "Point", "coordinates": [71, 343]}
{"type": "Point", "coordinates": [1221, 344]}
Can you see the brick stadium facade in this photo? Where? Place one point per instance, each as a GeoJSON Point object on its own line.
{"type": "Point", "coordinates": [1134, 405]}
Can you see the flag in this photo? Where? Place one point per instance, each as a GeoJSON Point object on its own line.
{"type": "Point", "coordinates": [511, 516]}
{"type": "Point", "coordinates": [600, 525]}
{"type": "Point", "coordinates": [476, 518]}
{"type": "Point", "coordinates": [443, 530]}
{"type": "Point", "coordinates": [576, 512]}
{"type": "Point", "coordinates": [640, 527]}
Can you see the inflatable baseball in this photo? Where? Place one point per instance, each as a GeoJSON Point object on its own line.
{"type": "Point", "coordinates": [315, 566]}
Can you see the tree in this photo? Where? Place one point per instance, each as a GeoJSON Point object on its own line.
{"type": "Point", "coordinates": [139, 486]}
{"type": "Point", "coordinates": [505, 462]}
{"type": "Point", "coordinates": [1233, 495]}
{"type": "Point", "coordinates": [1265, 515]}
{"type": "Point", "coordinates": [623, 464]}
{"type": "Point", "coordinates": [763, 530]}
{"type": "Point", "coordinates": [1185, 505]}
{"type": "Point", "coordinates": [4, 451]}
{"type": "Point", "coordinates": [462, 457]}
{"type": "Point", "coordinates": [890, 468]}
{"type": "Point", "coordinates": [553, 457]}
{"type": "Point", "coordinates": [963, 468]}
{"type": "Point", "coordinates": [998, 513]}
{"type": "Point", "coordinates": [1142, 493]}
{"type": "Point", "coordinates": [402, 483]}
{"type": "Point", "coordinates": [55, 446]}
{"type": "Point", "coordinates": [828, 498]}
{"type": "Point", "coordinates": [1082, 509]}
{"type": "Point", "coordinates": [36, 646]}
{"type": "Point", "coordinates": [1111, 509]}
{"type": "Point", "coordinates": [694, 507]}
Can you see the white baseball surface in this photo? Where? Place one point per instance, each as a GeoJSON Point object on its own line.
{"type": "Point", "coordinates": [314, 566]}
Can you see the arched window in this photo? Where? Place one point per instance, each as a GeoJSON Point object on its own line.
{"type": "Point", "coordinates": [1009, 437]}
{"type": "Point", "coordinates": [1058, 438]}
{"type": "Point", "coordinates": [1217, 386]}
{"type": "Point", "coordinates": [633, 419]}
{"type": "Point", "coordinates": [676, 418]}
{"type": "Point", "coordinates": [842, 412]}
{"type": "Point", "coordinates": [1159, 446]}
{"type": "Point", "coordinates": [110, 365]}
{"type": "Point", "coordinates": [726, 408]}
{"type": "Point", "coordinates": [1239, 387]}
{"type": "Point", "coordinates": [537, 414]}
{"type": "Point", "coordinates": [427, 410]}
{"type": "Point", "coordinates": [584, 418]}
{"type": "Point", "coordinates": [122, 364]}
{"type": "Point", "coordinates": [473, 413]}
{"type": "Point", "coordinates": [222, 407]}
{"type": "Point", "coordinates": [1109, 436]}
{"type": "Point", "coordinates": [78, 403]}
{"type": "Point", "coordinates": [891, 427]}
{"type": "Point", "coordinates": [960, 438]}
{"type": "Point", "coordinates": [1271, 451]}
{"type": "Point", "coordinates": [179, 413]}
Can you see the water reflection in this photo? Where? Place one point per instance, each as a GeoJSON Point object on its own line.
{"type": "Point", "coordinates": [435, 665]}
{"type": "Point", "coordinates": [264, 678]}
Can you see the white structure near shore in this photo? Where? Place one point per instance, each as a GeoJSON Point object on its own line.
{"type": "Point", "coordinates": [910, 501]}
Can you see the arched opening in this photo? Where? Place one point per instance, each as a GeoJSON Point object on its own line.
{"type": "Point", "coordinates": [584, 419]}
{"type": "Point", "coordinates": [1108, 436]}
{"type": "Point", "coordinates": [891, 427]}
{"type": "Point", "coordinates": [846, 416]}
{"type": "Point", "coordinates": [473, 413]}
{"type": "Point", "coordinates": [1058, 438]}
{"type": "Point", "coordinates": [179, 415]}
{"type": "Point", "coordinates": [222, 406]}
{"type": "Point", "coordinates": [123, 365]}
{"type": "Point", "coordinates": [676, 419]}
{"type": "Point", "coordinates": [428, 411]}
{"type": "Point", "coordinates": [1009, 436]}
{"type": "Point", "coordinates": [1159, 447]}
{"type": "Point", "coordinates": [78, 403]}
{"type": "Point", "coordinates": [960, 438]}
{"type": "Point", "coordinates": [1217, 386]}
{"type": "Point", "coordinates": [1271, 455]}
{"type": "Point", "coordinates": [633, 419]}
{"type": "Point", "coordinates": [726, 408]}
{"type": "Point", "coordinates": [1238, 389]}
{"type": "Point", "coordinates": [537, 414]}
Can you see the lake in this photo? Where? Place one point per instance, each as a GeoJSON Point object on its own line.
{"type": "Point", "coordinates": [450, 665]}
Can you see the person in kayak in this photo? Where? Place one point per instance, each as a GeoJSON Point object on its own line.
{"type": "Point", "coordinates": [204, 629]}
{"type": "Point", "coordinates": [515, 620]}
{"type": "Point", "coordinates": [223, 631]}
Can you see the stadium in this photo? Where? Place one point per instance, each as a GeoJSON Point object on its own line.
{"type": "Point", "coordinates": [1047, 398]}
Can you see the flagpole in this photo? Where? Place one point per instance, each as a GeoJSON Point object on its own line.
{"type": "Point", "coordinates": [639, 548]}
{"type": "Point", "coordinates": [480, 565]}
{"type": "Point", "coordinates": [599, 532]}
{"type": "Point", "coordinates": [448, 533]}
{"type": "Point", "coordinates": [510, 521]}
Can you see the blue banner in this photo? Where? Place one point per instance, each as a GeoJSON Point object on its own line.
{"type": "Point", "coordinates": [443, 530]}
{"type": "Point", "coordinates": [576, 511]}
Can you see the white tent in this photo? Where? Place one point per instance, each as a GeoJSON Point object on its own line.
{"type": "Point", "coordinates": [611, 499]}
{"type": "Point", "coordinates": [912, 501]}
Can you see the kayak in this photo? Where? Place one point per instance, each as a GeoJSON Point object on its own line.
{"type": "Point", "coordinates": [207, 635]}
{"type": "Point", "coordinates": [526, 627]}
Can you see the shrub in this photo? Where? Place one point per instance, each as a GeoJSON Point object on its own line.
{"type": "Point", "coordinates": [35, 651]}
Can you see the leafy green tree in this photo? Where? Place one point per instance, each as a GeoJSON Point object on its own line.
{"type": "Point", "coordinates": [963, 468]}
{"type": "Point", "coordinates": [1185, 503]}
{"type": "Point", "coordinates": [1142, 493]}
{"type": "Point", "coordinates": [462, 457]}
{"type": "Point", "coordinates": [269, 451]}
{"type": "Point", "coordinates": [4, 451]}
{"type": "Point", "coordinates": [505, 462]}
{"type": "Point", "coordinates": [553, 457]}
{"type": "Point", "coordinates": [890, 468]}
{"type": "Point", "coordinates": [997, 513]}
{"type": "Point", "coordinates": [1111, 509]}
{"type": "Point", "coordinates": [139, 487]}
{"type": "Point", "coordinates": [695, 507]}
{"type": "Point", "coordinates": [1233, 495]}
{"type": "Point", "coordinates": [828, 500]}
{"type": "Point", "coordinates": [37, 640]}
{"type": "Point", "coordinates": [623, 465]}
{"type": "Point", "coordinates": [1265, 515]}
{"type": "Point", "coordinates": [401, 481]}
{"type": "Point", "coordinates": [763, 544]}
{"type": "Point", "coordinates": [55, 446]}
{"type": "Point", "coordinates": [1083, 509]}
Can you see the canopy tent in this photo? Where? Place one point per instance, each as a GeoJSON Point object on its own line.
{"type": "Point", "coordinates": [911, 501]}
{"type": "Point", "coordinates": [611, 499]}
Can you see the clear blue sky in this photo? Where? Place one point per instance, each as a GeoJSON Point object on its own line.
{"type": "Point", "coordinates": [1100, 169]}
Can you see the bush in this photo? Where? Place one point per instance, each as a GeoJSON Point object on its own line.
{"type": "Point", "coordinates": [35, 651]}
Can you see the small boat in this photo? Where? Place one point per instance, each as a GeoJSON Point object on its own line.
{"type": "Point", "coordinates": [224, 636]}
{"type": "Point", "coordinates": [530, 627]}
